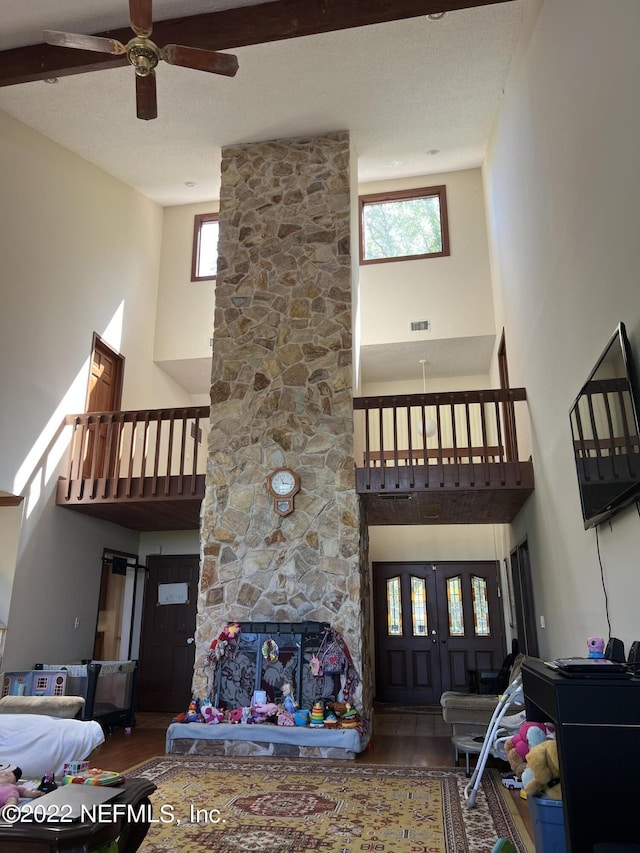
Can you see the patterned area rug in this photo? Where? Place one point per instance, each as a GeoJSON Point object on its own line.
{"type": "Point", "coordinates": [241, 805]}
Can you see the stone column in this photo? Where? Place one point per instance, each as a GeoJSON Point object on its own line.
{"type": "Point", "coordinates": [281, 395]}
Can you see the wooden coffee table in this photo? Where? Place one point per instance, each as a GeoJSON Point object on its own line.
{"type": "Point", "coordinates": [129, 825]}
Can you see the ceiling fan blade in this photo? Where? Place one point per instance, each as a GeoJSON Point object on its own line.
{"type": "Point", "coordinates": [83, 42]}
{"type": "Point", "coordinates": [146, 99]}
{"type": "Point", "coordinates": [201, 60]}
{"type": "Point", "coordinates": [140, 17]}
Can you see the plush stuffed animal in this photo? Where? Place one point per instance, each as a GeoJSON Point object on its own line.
{"type": "Point", "coordinates": [528, 735]}
{"type": "Point", "coordinates": [595, 646]}
{"type": "Point", "coordinates": [542, 774]}
{"type": "Point", "coordinates": [210, 715]}
{"type": "Point", "coordinates": [235, 715]}
{"type": "Point", "coordinates": [265, 712]}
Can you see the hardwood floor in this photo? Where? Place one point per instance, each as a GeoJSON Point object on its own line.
{"type": "Point", "coordinates": [411, 740]}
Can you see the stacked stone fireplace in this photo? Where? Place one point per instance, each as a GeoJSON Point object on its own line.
{"type": "Point", "coordinates": [281, 396]}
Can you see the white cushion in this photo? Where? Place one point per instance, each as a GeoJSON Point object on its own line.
{"type": "Point", "coordinates": [54, 706]}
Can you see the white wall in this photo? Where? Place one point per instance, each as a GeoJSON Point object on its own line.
{"type": "Point", "coordinates": [434, 542]}
{"type": "Point", "coordinates": [562, 185]}
{"type": "Point", "coordinates": [454, 292]}
{"type": "Point", "coordinates": [80, 253]}
{"type": "Point", "coordinates": [184, 317]}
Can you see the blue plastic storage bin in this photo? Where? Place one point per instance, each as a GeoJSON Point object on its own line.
{"type": "Point", "coordinates": [547, 820]}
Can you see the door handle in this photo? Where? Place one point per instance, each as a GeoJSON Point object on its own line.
{"type": "Point", "coordinates": [191, 640]}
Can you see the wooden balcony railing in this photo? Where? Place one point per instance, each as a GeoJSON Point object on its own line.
{"type": "Point", "coordinates": [460, 440]}
{"type": "Point", "coordinates": [146, 469]}
{"type": "Point", "coordinates": [148, 455]}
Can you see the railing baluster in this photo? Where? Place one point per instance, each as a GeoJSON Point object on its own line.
{"type": "Point", "coordinates": [472, 479]}
{"type": "Point", "coordinates": [382, 460]}
{"type": "Point", "coordinates": [134, 424]}
{"type": "Point", "coordinates": [183, 442]}
{"type": "Point", "coordinates": [485, 446]}
{"type": "Point", "coordinates": [367, 446]}
{"type": "Point", "coordinates": [454, 442]}
{"type": "Point", "coordinates": [94, 456]}
{"type": "Point", "coordinates": [195, 457]}
{"type": "Point", "coordinates": [411, 460]}
{"type": "Point", "coordinates": [496, 406]}
{"type": "Point", "coordinates": [143, 461]}
{"type": "Point", "coordinates": [395, 444]}
{"type": "Point", "coordinates": [167, 479]}
{"type": "Point", "coordinates": [156, 458]}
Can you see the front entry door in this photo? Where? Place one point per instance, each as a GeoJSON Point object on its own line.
{"type": "Point", "coordinates": [167, 650]}
{"type": "Point", "coordinates": [433, 623]}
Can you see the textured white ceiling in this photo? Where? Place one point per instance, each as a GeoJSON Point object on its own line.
{"type": "Point", "coordinates": [446, 358]}
{"type": "Point", "coordinates": [402, 89]}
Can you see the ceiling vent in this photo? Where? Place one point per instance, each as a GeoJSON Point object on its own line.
{"type": "Point", "coordinates": [421, 325]}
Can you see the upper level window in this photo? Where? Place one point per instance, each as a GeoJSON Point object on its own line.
{"type": "Point", "coordinates": [204, 260]}
{"type": "Point", "coordinates": [404, 225]}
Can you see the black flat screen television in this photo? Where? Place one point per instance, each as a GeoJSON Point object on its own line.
{"type": "Point", "coordinates": [605, 428]}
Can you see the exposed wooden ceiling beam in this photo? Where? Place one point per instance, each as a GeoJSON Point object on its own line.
{"type": "Point", "coordinates": [230, 28]}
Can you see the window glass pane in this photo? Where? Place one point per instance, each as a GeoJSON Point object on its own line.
{"type": "Point", "coordinates": [480, 607]}
{"type": "Point", "coordinates": [404, 224]}
{"type": "Point", "coordinates": [419, 606]}
{"type": "Point", "coordinates": [394, 608]}
{"type": "Point", "coordinates": [393, 229]}
{"type": "Point", "coordinates": [454, 606]}
{"type": "Point", "coordinates": [208, 253]}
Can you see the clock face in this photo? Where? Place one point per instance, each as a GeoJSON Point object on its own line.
{"type": "Point", "coordinates": [283, 482]}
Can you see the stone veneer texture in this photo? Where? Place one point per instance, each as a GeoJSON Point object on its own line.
{"type": "Point", "coordinates": [281, 395]}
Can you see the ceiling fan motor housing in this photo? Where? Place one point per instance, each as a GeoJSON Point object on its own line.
{"type": "Point", "coordinates": [144, 55]}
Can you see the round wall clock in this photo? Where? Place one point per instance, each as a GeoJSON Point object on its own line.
{"type": "Point", "coordinates": [283, 484]}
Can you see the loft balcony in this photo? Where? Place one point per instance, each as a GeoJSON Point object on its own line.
{"type": "Point", "coordinates": [142, 469]}
{"type": "Point", "coordinates": [443, 458]}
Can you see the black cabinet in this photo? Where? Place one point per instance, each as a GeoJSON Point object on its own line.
{"type": "Point", "coordinates": [598, 731]}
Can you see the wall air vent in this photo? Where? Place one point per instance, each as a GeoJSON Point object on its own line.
{"type": "Point", "coordinates": [421, 325]}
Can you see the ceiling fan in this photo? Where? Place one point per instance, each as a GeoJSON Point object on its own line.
{"type": "Point", "coordinates": [144, 55]}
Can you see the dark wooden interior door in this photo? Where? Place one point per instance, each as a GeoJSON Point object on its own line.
{"type": "Point", "coordinates": [523, 599]}
{"type": "Point", "coordinates": [104, 394]}
{"type": "Point", "coordinates": [167, 650]}
{"type": "Point", "coordinates": [407, 647]}
{"type": "Point", "coordinates": [470, 619]}
{"type": "Point", "coordinates": [433, 623]}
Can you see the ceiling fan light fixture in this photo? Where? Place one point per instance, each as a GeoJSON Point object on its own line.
{"type": "Point", "coordinates": [143, 55]}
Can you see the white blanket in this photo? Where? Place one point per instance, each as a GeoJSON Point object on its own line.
{"type": "Point", "coordinates": [39, 744]}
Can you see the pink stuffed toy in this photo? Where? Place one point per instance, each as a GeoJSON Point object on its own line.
{"type": "Point", "coordinates": [529, 735]}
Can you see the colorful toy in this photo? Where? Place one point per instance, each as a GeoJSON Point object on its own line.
{"type": "Point", "coordinates": [48, 783]}
{"type": "Point", "coordinates": [10, 791]}
{"type": "Point", "coordinates": [595, 645]}
{"type": "Point", "coordinates": [193, 712]}
{"type": "Point", "coordinates": [288, 701]}
{"type": "Point", "coordinates": [528, 735]}
{"type": "Point", "coordinates": [265, 712]}
{"type": "Point", "coordinates": [302, 717]}
{"type": "Point", "coordinates": [285, 718]}
{"type": "Point", "coordinates": [317, 716]}
{"type": "Point", "coordinates": [210, 715]}
{"type": "Point", "coordinates": [542, 773]}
